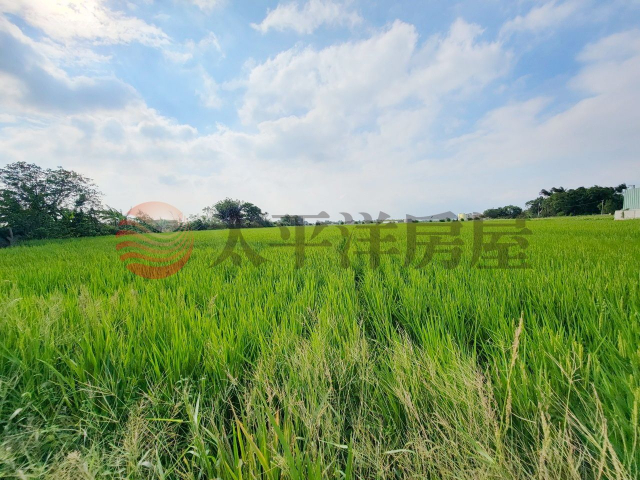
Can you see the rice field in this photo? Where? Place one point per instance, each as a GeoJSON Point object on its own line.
{"type": "Point", "coordinates": [342, 368]}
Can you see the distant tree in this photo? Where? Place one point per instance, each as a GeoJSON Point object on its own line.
{"type": "Point", "coordinates": [146, 223]}
{"type": "Point", "coordinates": [510, 211]}
{"type": "Point", "coordinates": [111, 217]}
{"type": "Point", "coordinates": [232, 214]}
{"type": "Point", "coordinates": [534, 207]}
{"type": "Point", "coordinates": [609, 206]}
{"type": "Point", "coordinates": [254, 216]}
{"type": "Point", "coordinates": [229, 212]}
{"type": "Point", "coordinates": [559, 201]}
{"type": "Point", "coordinates": [209, 214]}
{"type": "Point", "coordinates": [291, 221]}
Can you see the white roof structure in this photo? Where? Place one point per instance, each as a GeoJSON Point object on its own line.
{"type": "Point", "coordinates": [435, 218]}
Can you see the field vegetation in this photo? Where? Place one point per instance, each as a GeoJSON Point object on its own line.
{"type": "Point", "coordinates": [328, 370]}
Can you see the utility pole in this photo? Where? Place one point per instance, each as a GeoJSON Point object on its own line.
{"type": "Point", "coordinates": [602, 208]}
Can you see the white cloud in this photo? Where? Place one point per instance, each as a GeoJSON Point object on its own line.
{"type": "Point", "coordinates": [178, 55]}
{"type": "Point", "coordinates": [207, 5]}
{"type": "Point", "coordinates": [306, 19]}
{"type": "Point", "coordinates": [545, 16]}
{"type": "Point", "coordinates": [67, 21]}
{"type": "Point", "coordinates": [34, 81]}
{"type": "Point", "coordinates": [618, 46]}
{"type": "Point", "coordinates": [208, 41]}
{"type": "Point", "coordinates": [326, 133]}
{"type": "Point", "coordinates": [356, 127]}
{"type": "Point", "coordinates": [593, 141]}
{"type": "Point", "coordinates": [354, 79]}
{"type": "Point", "coordinates": [56, 54]}
{"type": "Point", "coordinates": [209, 93]}
{"type": "Point", "coordinates": [335, 139]}
{"type": "Point", "coordinates": [190, 49]}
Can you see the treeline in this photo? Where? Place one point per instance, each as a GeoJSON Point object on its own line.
{"type": "Point", "coordinates": [558, 202]}
{"type": "Point", "coordinates": [229, 213]}
{"type": "Point", "coordinates": [580, 201]}
{"type": "Point", "coordinates": [38, 203]}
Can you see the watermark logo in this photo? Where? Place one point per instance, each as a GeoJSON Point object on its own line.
{"type": "Point", "coordinates": [496, 245]}
{"type": "Point", "coordinates": [154, 241]}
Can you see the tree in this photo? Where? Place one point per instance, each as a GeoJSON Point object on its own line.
{"type": "Point", "coordinates": [254, 216]}
{"type": "Point", "coordinates": [45, 203]}
{"type": "Point", "coordinates": [510, 211]}
{"type": "Point", "coordinates": [534, 207]}
{"type": "Point", "coordinates": [111, 217]}
{"type": "Point", "coordinates": [206, 221]}
{"type": "Point", "coordinates": [237, 213]}
{"type": "Point", "coordinates": [559, 201]}
{"type": "Point", "coordinates": [609, 206]}
{"type": "Point", "coordinates": [291, 221]}
{"type": "Point", "coordinates": [229, 212]}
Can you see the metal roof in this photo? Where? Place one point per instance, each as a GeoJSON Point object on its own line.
{"type": "Point", "coordinates": [631, 199]}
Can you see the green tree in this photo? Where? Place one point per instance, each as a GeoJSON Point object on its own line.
{"type": "Point", "coordinates": [291, 221]}
{"type": "Point", "coordinates": [510, 211]}
{"type": "Point", "coordinates": [236, 213]}
{"type": "Point", "coordinates": [229, 212]}
{"type": "Point", "coordinates": [559, 201]}
{"type": "Point", "coordinates": [46, 203]}
{"type": "Point", "coordinates": [254, 216]}
{"type": "Point", "coordinates": [111, 218]}
{"type": "Point", "coordinates": [534, 207]}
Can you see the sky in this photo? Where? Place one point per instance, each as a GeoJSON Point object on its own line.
{"type": "Point", "coordinates": [405, 107]}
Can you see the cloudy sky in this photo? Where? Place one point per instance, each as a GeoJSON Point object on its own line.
{"type": "Point", "coordinates": [409, 107]}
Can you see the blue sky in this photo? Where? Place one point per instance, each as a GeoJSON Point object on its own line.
{"type": "Point", "coordinates": [411, 107]}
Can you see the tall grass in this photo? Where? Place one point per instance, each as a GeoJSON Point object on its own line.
{"type": "Point", "coordinates": [324, 371]}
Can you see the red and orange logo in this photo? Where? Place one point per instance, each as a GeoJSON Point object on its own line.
{"type": "Point", "coordinates": [154, 241]}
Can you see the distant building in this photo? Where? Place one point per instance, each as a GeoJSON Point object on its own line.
{"type": "Point", "coordinates": [433, 218]}
{"type": "Point", "coordinates": [469, 216]}
{"type": "Point", "coordinates": [631, 205]}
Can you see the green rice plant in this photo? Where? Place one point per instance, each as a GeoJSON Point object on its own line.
{"type": "Point", "coordinates": [328, 370]}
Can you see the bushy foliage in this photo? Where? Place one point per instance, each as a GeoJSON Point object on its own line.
{"type": "Point", "coordinates": [230, 213]}
{"type": "Point", "coordinates": [37, 203]}
{"type": "Point", "coordinates": [291, 221]}
{"type": "Point", "coordinates": [48, 203]}
{"type": "Point", "coordinates": [510, 211]}
{"type": "Point", "coordinates": [580, 201]}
